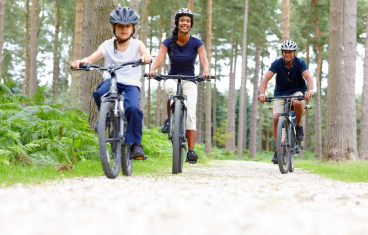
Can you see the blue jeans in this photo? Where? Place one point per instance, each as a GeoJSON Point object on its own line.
{"type": "Point", "coordinates": [133, 114]}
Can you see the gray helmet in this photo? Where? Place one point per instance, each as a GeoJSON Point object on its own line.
{"type": "Point", "coordinates": [184, 12]}
{"type": "Point", "coordinates": [289, 45]}
{"type": "Point", "coordinates": [123, 15]}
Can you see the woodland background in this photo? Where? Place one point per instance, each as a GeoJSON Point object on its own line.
{"type": "Point", "coordinates": [39, 39]}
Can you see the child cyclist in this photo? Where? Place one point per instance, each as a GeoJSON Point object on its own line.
{"type": "Point", "coordinates": [118, 50]}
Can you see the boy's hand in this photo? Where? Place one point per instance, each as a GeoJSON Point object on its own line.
{"type": "Point", "coordinates": [146, 59]}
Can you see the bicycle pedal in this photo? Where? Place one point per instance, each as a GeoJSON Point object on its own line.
{"type": "Point", "coordinates": [140, 157]}
{"type": "Point", "coordinates": [191, 162]}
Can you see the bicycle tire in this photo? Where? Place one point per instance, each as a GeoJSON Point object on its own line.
{"type": "Point", "coordinates": [176, 141]}
{"type": "Point", "coordinates": [181, 159]}
{"type": "Point", "coordinates": [126, 160]}
{"type": "Point", "coordinates": [108, 126]}
{"type": "Point", "coordinates": [283, 154]}
{"type": "Point", "coordinates": [292, 153]}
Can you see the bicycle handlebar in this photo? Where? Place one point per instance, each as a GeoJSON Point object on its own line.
{"type": "Point", "coordinates": [270, 99]}
{"type": "Point", "coordinates": [88, 67]}
{"type": "Point", "coordinates": [198, 78]}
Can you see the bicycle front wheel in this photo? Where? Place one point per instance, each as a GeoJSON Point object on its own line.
{"type": "Point", "coordinates": [283, 152]}
{"type": "Point", "coordinates": [108, 140]}
{"type": "Point", "coordinates": [177, 141]}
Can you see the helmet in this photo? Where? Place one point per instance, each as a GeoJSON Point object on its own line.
{"type": "Point", "coordinates": [123, 15]}
{"type": "Point", "coordinates": [289, 45]}
{"type": "Point", "coordinates": [184, 12]}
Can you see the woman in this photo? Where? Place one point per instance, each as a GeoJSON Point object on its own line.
{"type": "Point", "coordinates": [183, 50]}
{"type": "Point", "coordinates": [121, 49]}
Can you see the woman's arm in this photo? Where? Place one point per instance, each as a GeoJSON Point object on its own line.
{"type": "Point", "coordinates": [204, 62]}
{"type": "Point", "coordinates": [158, 61]}
{"type": "Point", "coordinates": [97, 55]}
{"type": "Point", "coordinates": [145, 55]}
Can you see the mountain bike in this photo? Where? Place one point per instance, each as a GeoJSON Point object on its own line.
{"type": "Point", "coordinates": [286, 150]}
{"type": "Point", "coordinates": [112, 125]}
{"type": "Point", "coordinates": [177, 117]}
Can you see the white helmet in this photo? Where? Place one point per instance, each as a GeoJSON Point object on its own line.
{"type": "Point", "coordinates": [289, 45]}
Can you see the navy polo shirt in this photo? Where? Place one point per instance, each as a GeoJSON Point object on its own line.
{"type": "Point", "coordinates": [296, 81]}
{"type": "Point", "coordinates": [184, 57]}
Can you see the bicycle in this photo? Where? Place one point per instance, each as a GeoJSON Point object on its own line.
{"type": "Point", "coordinates": [177, 131]}
{"type": "Point", "coordinates": [286, 151]}
{"type": "Point", "coordinates": [112, 125]}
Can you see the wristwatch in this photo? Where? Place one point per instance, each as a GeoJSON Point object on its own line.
{"type": "Point", "coordinates": [310, 91]}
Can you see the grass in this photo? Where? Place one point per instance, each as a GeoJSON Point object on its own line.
{"type": "Point", "coordinates": [348, 171]}
{"type": "Point", "coordinates": [159, 152]}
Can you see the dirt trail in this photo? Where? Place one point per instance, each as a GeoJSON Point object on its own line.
{"type": "Point", "coordinates": [226, 197]}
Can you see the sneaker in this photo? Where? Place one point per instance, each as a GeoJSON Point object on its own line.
{"type": "Point", "coordinates": [95, 126]}
{"type": "Point", "coordinates": [192, 157]}
{"type": "Point", "coordinates": [165, 126]}
{"type": "Point", "coordinates": [299, 133]}
{"type": "Point", "coordinates": [274, 159]}
{"type": "Point", "coordinates": [137, 152]}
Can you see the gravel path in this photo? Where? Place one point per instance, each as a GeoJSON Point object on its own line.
{"type": "Point", "coordinates": [224, 197]}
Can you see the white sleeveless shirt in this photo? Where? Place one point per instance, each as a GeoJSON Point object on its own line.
{"type": "Point", "coordinates": [127, 75]}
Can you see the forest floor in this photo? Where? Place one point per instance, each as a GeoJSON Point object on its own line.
{"type": "Point", "coordinates": [220, 197]}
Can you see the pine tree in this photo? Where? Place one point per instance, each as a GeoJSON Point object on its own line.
{"type": "Point", "coordinates": [363, 149]}
{"type": "Point", "coordinates": [334, 140]}
{"type": "Point", "coordinates": [2, 14]}
{"type": "Point", "coordinates": [208, 84]}
{"type": "Point", "coordinates": [34, 46]}
{"type": "Point", "coordinates": [96, 29]}
{"type": "Point", "coordinates": [243, 89]}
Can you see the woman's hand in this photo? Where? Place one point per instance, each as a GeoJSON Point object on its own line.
{"type": "Point", "coordinates": [146, 59]}
{"type": "Point", "coordinates": [76, 63]}
{"type": "Point", "coordinates": [206, 74]}
{"type": "Point", "coordinates": [151, 73]}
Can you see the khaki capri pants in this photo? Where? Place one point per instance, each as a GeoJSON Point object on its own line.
{"type": "Point", "coordinates": [190, 90]}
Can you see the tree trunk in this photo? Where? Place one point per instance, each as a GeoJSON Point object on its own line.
{"type": "Point", "coordinates": [191, 4]}
{"type": "Point", "coordinates": [285, 21]}
{"type": "Point", "coordinates": [267, 141]}
{"type": "Point", "coordinates": [134, 4]}
{"type": "Point", "coordinates": [158, 101]}
{"type": "Point", "coordinates": [260, 122]}
{"type": "Point", "coordinates": [208, 84]}
{"type": "Point", "coordinates": [318, 117]}
{"type": "Point", "coordinates": [334, 140]}
{"type": "Point", "coordinates": [96, 29]}
{"type": "Point", "coordinates": [148, 117]}
{"type": "Point", "coordinates": [214, 106]}
{"type": "Point", "coordinates": [164, 114]}
{"type": "Point", "coordinates": [305, 117]}
{"type": "Point", "coordinates": [33, 58]}
{"type": "Point", "coordinates": [200, 88]}
{"type": "Point", "coordinates": [363, 150]}
{"type": "Point", "coordinates": [230, 129]}
{"type": "Point", "coordinates": [2, 14]}
{"type": "Point", "coordinates": [143, 38]}
{"type": "Point", "coordinates": [253, 120]}
{"type": "Point", "coordinates": [55, 73]}
{"type": "Point", "coordinates": [260, 115]}
{"type": "Point", "coordinates": [25, 87]}
{"type": "Point", "coordinates": [75, 88]}
{"type": "Point", "coordinates": [349, 104]}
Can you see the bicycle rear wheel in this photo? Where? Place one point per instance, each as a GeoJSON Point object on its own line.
{"type": "Point", "coordinates": [283, 152]}
{"type": "Point", "coordinates": [177, 141]}
{"type": "Point", "coordinates": [108, 140]}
